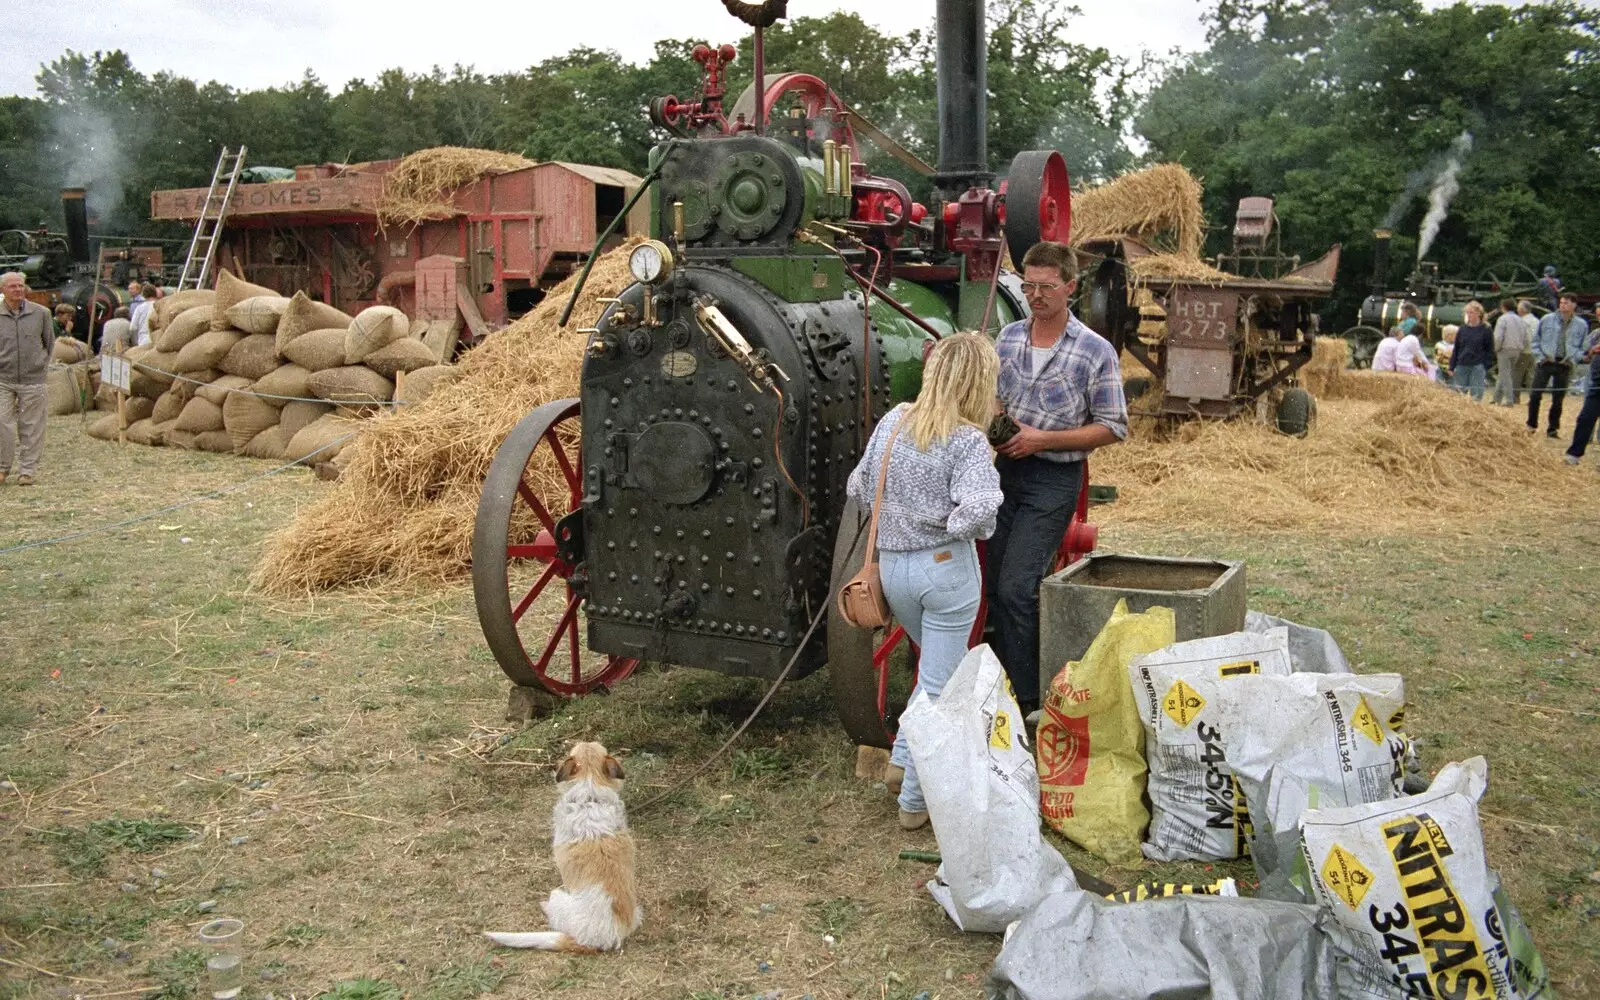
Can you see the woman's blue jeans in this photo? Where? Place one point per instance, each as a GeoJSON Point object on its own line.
{"type": "Point", "coordinates": [934, 594]}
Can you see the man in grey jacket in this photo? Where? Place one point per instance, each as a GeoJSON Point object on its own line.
{"type": "Point", "coordinates": [1511, 338]}
{"type": "Point", "coordinates": [27, 336]}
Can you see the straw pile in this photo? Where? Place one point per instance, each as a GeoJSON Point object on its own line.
{"type": "Point", "coordinates": [1159, 206]}
{"type": "Point", "coordinates": [421, 185]}
{"type": "Point", "coordinates": [1391, 449]}
{"type": "Point", "coordinates": [1323, 374]}
{"type": "Point", "coordinates": [404, 505]}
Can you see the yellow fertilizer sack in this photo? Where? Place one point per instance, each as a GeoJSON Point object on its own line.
{"type": "Point", "coordinates": [1091, 743]}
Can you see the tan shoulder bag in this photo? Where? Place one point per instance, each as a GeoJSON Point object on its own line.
{"type": "Point", "coordinates": [861, 599]}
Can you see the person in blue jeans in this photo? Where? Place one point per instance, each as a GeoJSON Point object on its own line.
{"type": "Point", "coordinates": [1589, 416]}
{"type": "Point", "coordinates": [942, 493]}
{"type": "Point", "coordinates": [1473, 354]}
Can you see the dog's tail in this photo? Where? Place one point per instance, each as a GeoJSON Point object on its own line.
{"type": "Point", "coordinates": [539, 940]}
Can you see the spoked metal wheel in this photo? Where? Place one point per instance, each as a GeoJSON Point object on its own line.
{"type": "Point", "coordinates": [530, 613]}
{"type": "Point", "coordinates": [871, 671]}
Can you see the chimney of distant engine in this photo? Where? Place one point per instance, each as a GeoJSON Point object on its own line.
{"type": "Point", "coordinates": [1380, 260]}
{"type": "Point", "coordinates": [77, 213]}
{"type": "Point", "coordinates": [963, 89]}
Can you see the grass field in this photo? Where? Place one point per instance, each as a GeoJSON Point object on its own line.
{"type": "Point", "coordinates": [337, 772]}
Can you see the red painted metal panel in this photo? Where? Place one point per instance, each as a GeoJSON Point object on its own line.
{"type": "Point", "coordinates": [516, 247]}
{"type": "Point", "coordinates": [358, 192]}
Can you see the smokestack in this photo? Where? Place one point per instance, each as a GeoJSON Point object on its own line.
{"type": "Point", "coordinates": [72, 206]}
{"type": "Point", "coordinates": [963, 89]}
{"type": "Point", "coordinates": [1380, 260]}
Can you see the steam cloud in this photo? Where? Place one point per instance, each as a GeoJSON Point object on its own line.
{"type": "Point", "coordinates": [85, 139]}
{"type": "Point", "coordinates": [1445, 187]}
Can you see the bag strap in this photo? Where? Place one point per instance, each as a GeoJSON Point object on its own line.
{"type": "Point", "coordinates": [877, 500]}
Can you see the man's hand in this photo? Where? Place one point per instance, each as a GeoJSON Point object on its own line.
{"type": "Point", "coordinates": [1027, 441]}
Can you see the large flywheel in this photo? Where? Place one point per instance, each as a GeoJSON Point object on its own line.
{"type": "Point", "coordinates": [524, 565]}
{"type": "Point", "coordinates": [1038, 204]}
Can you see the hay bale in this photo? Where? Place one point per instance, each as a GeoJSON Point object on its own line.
{"type": "Point", "coordinates": [244, 416]}
{"type": "Point", "coordinates": [70, 351]}
{"type": "Point", "coordinates": [422, 185]}
{"type": "Point", "coordinates": [320, 440]}
{"type": "Point", "coordinates": [222, 387]}
{"type": "Point", "coordinates": [350, 384]}
{"type": "Point", "coordinates": [1329, 358]}
{"type": "Point", "coordinates": [172, 306]}
{"type": "Point", "coordinates": [180, 439]}
{"type": "Point", "coordinates": [317, 350]}
{"type": "Point", "coordinates": [302, 315]}
{"type": "Point", "coordinates": [207, 350]}
{"type": "Point", "coordinates": [137, 408]}
{"type": "Point", "coordinates": [147, 432]}
{"type": "Point", "coordinates": [1161, 206]}
{"type": "Point", "coordinates": [257, 314]}
{"type": "Point", "coordinates": [230, 292]}
{"type": "Point", "coordinates": [270, 443]}
{"type": "Point", "coordinates": [184, 327]}
{"type": "Point", "coordinates": [284, 381]}
{"type": "Point", "coordinates": [253, 357]}
{"type": "Point", "coordinates": [103, 429]}
{"type": "Point", "coordinates": [214, 441]}
{"type": "Point", "coordinates": [373, 329]}
{"type": "Point", "coordinates": [67, 391]}
{"type": "Point", "coordinates": [298, 415]}
{"type": "Point", "coordinates": [166, 407]}
{"type": "Point", "coordinates": [198, 416]}
{"type": "Point", "coordinates": [423, 382]}
{"type": "Point", "coordinates": [404, 355]}
{"type": "Point", "coordinates": [404, 506]}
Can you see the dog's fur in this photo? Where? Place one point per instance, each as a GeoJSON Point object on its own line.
{"type": "Point", "coordinates": [596, 907]}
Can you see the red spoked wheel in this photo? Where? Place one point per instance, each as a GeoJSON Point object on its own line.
{"type": "Point", "coordinates": [527, 606]}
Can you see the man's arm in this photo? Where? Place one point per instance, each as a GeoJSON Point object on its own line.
{"type": "Point", "coordinates": [1030, 440]}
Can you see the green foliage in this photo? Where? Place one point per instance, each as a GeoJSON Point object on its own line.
{"type": "Point", "coordinates": [365, 989]}
{"type": "Point", "coordinates": [1343, 112]}
{"type": "Point", "coordinates": [295, 936]}
{"type": "Point", "coordinates": [83, 851]}
{"type": "Point", "coordinates": [463, 982]}
{"type": "Point", "coordinates": [179, 974]}
{"type": "Point", "coordinates": [834, 916]}
{"type": "Point", "coordinates": [141, 835]}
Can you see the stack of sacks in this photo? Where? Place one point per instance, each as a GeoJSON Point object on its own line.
{"type": "Point", "coordinates": [262, 375]}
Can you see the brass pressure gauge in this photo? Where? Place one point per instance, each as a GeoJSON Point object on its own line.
{"type": "Point", "coordinates": [650, 262]}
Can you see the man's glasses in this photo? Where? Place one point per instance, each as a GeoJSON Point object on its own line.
{"type": "Point", "coordinates": [1029, 287]}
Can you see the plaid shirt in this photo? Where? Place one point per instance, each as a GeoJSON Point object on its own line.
{"type": "Point", "coordinates": [1081, 384]}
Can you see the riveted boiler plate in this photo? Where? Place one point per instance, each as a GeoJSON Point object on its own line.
{"type": "Point", "coordinates": [673, 461]}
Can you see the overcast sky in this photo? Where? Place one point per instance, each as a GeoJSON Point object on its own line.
{"type": "Point", "coordinates": [261, 44]}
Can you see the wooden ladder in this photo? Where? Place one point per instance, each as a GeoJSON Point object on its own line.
{"type": "Point", "coordinates": [197, 266]}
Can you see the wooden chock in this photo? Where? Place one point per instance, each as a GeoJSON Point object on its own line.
{"type": "Point", "coordinates": [525, 703]}
{"type": "Point", "coordinates": [871, 762]}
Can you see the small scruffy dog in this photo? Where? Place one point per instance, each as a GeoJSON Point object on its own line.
{"type": "Point", "coordinates": [595, 909]}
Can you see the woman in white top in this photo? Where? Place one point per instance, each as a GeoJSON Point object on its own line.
{"type": "Point", "coordinates": [1383, 357]}
{"type": "Point", "coordinates": [1409, 358]}
{"type": "Point", "coordinates": [943, 492]}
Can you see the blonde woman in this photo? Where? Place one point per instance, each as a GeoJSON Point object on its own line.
{"type": "Point", "coordinates": [942, 493]}
{"type": "Point", "coordinates": [1473, 354]}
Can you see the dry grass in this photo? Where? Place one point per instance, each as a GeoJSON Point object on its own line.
{"type": "Point", "coordinates": [404, 505]}
{"type": "Point", "coordinates": [1174, 267]}
{"type": "Point", "coordinates": [1324, 373]}
{"type": "Point", "coordinates": [1387, 449]}
{"type": "Point", "coordinates": [421, 185]}
{"type": "Point", "coordinates": [1160, 206]}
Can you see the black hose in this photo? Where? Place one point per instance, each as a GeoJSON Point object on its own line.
{"type": "Point", "coordinates": [583, 276]}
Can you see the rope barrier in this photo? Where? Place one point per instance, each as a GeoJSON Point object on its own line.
{"type": "Point", "coordinates": [98, 529]}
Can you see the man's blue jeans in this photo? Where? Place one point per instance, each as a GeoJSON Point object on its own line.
{"type": "Point", "coordinates": [934, 594]}
{"type": "Point", "coordinates": [1041, 496]}
{"type": "Point", "coordinates": [1471, 378]}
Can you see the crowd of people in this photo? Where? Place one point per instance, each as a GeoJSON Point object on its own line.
{"type": "Point", "coordinates": [1546, 358]}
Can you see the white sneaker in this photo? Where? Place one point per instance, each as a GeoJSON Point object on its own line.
{"type": "Point", "coordinates": [1570, 459]}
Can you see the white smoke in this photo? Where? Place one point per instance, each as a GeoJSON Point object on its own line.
{"type": "Point", "coordinates": [1445, 187]}
{"type": "Point", "coordinates": [85, 140]}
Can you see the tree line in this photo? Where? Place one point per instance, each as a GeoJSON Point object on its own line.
{"type": "Point", "coordinates": [1343, 111]}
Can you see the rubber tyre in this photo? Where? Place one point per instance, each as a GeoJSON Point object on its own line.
{"type": "Point", "coordinates": [1297, 413]}
{"type": "Point", "coordinates": [1134, 387]}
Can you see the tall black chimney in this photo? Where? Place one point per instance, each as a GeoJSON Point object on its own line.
{"type": "Point", "coordinates": [1380, 261]}
{"type": "Point", "coordinates": [963, 89]}
{"type": "Point", "coordinates": [72, 206]}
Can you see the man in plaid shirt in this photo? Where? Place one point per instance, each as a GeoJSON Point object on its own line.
{"type": "Point", "coordinates": [1061, 383]}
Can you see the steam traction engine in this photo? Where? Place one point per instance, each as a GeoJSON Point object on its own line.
{"type": "Point", "coordinates": [783, 307]}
